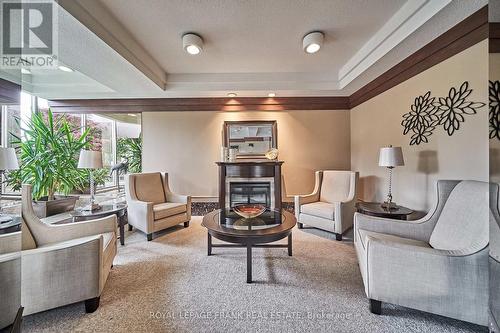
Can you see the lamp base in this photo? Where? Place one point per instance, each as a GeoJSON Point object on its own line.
{"type": "Point", "coordinates": [389, 205]}
{"type": "Point", "coordinates": [91, 207]}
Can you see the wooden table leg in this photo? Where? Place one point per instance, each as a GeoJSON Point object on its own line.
{"type": "Point", "coordinates": [249, 263]}
{"type": "Point", "coordinates": [209, 249]}
{"type": "Point", "coordinates": [122, 232]}
{"type": "Point", "coordinates": [290, 244]}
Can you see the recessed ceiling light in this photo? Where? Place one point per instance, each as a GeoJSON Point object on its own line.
{"type": "Point", "coordinates": [65, 69]}
{"type": "Point", "coordinates": [312, 41]}
{"type": "Point", "coordinates": [271, 94]}
{"type": "Point", "coordinates": [25, 71]}
{"type": "Point", "coordinates": [232, 94]}
{"type": "Point", "coordinates": [192, 43]}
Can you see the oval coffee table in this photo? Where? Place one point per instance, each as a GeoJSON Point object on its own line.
{"type": "Point", "coordinates": [229, 227]}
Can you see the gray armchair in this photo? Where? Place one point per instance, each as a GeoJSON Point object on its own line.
{"type": "Point", "coordinates": [331, 205]}
{"type": "Point", "coordinates": [152, 206]}
{"type": "Point", "coordinates": [437, 264]}
{"type": "Point", "coordinates": [66, 263]}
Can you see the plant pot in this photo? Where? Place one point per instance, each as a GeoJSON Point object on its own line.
{"type": "Point", "coordinates": [44, 208]}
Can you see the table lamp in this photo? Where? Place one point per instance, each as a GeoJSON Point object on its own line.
{"type": "Point", "coordinates": [390, 157]}
{"type": "Point", "coordinates": [90, 159]}
{"type": "Point", "coordinates": [8, 161]}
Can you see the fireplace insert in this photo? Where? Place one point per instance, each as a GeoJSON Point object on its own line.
{"type": "Point", "coordinates": [250, 193]}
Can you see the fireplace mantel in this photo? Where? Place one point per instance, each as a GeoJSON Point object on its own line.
{"type": "Point", "coordinates": [250, 170]}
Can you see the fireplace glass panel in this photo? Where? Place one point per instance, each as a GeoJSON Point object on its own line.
{"type": "Point", "coordinates": [250, 193]}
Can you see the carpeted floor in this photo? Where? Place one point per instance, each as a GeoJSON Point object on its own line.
{"type": "Point", "coordinates": [170, 285]}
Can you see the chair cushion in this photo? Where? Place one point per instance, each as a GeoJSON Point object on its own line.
{"type": "Point", "coordinates": [149, 187]}
{"type": "Point", "coordinates": [363, 237]}
{"type": "Point", "coordinates": [335, 186]}
{"type": "Point", "coordinates": [319, 209]}
{"type": "Point", "coordinates": [167, 209]}
{"type": "Point", "coordinates": [463, 222]}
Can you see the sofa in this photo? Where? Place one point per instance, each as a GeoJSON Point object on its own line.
{"type": "Point", "coordinates": [152, 206]}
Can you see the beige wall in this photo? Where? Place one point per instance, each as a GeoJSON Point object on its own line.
{"type": "Point", "coordinates": [187, 144]}
{"type": "Point", "coordinates": [376, 123]}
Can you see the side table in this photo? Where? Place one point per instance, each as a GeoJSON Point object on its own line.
{"type": "Point", "coordinates": [375, 209]}
{"type": "Point", "coordinates": [119, 209]}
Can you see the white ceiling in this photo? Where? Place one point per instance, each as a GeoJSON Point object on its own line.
{"type": "Point", "coordinates": [251, 47]}
{"type": "Point", "coordinates": [254, 36]}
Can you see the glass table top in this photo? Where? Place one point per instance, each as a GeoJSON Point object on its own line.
{"type": "Point", "coordinates": [104, 209]}
{"type": "Point", "coordinates": [230, 220]}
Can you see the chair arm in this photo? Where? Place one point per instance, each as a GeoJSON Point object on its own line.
{"type": "Point", "coordinates": [418, 229]}
{"type": "Point", "coordinates": [172, 197]}
{"type": "Point", "coordinates": [344, 215]}
{"type": "Point", "coordinates": [61, 273]}
{"type": "Point", "coordinates": [140, 214]}
{"type": "Point", "coordinates": [69, 231]}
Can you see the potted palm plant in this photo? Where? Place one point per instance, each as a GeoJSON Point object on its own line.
{"type": "Point", "coordinates": [48, 154]}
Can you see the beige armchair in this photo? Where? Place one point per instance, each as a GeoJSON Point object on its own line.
{"type": "Point", "coordinates": [437, 264]}
{"type": "Point", "coordinates": [331, 205]}
{"type": "Point", "coordinates": [66, 263]}
{"type": "Point", "coordinates": [152, 206]}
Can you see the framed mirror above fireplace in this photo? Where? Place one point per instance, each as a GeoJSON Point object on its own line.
{"type": "Point", "coordinates": [252, 138]}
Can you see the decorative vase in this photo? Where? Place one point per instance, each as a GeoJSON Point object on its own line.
{"type": "Point", "coordinates": [232, 154]}
{"type": "Point", "coordinates": [272, 154]}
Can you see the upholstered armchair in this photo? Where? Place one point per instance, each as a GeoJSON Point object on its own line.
{"type": "Point", "coordinates": [152, 206]}
{"type": "Point", "coordinates": [331, 205]}
{"type": "Point", "coordinates": [66, 263]}
{"type": "Point", "coordinates": [437, 264]}
{"type": "Point", "coordinates": [10, 277]}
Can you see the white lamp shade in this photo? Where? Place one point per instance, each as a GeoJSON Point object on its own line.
{"type": "Point", "coordinates": [8, 159]}
{"type": "Point", "coordinates": [90, 159]}
{"type": "Point", "coordinates": [391, 157]}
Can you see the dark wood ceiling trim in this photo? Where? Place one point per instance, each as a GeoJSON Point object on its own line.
{"type": "Point", "coordinates": [462, 36]}
{"type": "Point", "coordinates": [10, 93]}
{"type": "Point", "coordinates": [494, 43]}
{"type": "Point", "coordinates": [200, 104]}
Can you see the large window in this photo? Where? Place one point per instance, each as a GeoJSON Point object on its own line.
{"type": "Point", "coordinates": [116, 135]}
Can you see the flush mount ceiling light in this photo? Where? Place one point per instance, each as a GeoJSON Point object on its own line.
{"type": "Point", "coordinates": [313, 41]}
{"type": "Point", "coordinates": [192, 43]}
{"type": "Point", "coordinates": [65, 69]}
{"type": "Point", "coordinates": [232, 94]}
{"type": "Point", "coordinates": [25, 71]}
{"type": "Point", "coordinates": [271, 94]}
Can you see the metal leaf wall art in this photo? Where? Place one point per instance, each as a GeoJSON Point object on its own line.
{"type": "Point", "coordinates": [428, 113]}
{"type": "Point", "coordinates": [494, 97]}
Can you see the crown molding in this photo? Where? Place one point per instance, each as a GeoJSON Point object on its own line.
{"type": "Point", "coordinates": [465, 34]}
{"type": "Point", "coordinates": [98, 19]}
{"type": "Point", "coordinates": [411, 16]}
